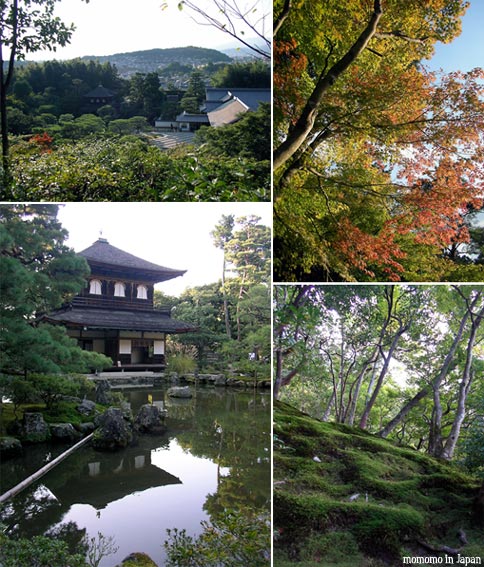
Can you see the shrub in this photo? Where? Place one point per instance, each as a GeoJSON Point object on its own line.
{"type": "Point", "coordinates": [40, 551]}
{"type": "Point", "coordinates": [233, 540]}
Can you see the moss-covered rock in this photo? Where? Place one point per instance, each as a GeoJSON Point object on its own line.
{"type": "Point", "coordinates": [345, 497]}
{"type": "Point", "coordinates": [10, 447]}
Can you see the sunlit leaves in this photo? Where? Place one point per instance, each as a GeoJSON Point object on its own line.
{"type": "Point", "coordinates": [394, 161]}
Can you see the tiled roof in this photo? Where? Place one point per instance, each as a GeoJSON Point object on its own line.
{"type": "Point", "coordinates": [227, 113]}
{"type": "Point", "coordinates": [101, 252]}
{"type": "Point", "coordinates": [250, 97]}
{"type": "Point", "coordinates": [187, 117]}
{"type": "Point", "coordinates": [99, 92]}
{"type": "Point", "coordinates": [123, 320]}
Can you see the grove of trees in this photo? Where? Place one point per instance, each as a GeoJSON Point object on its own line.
{"type": "Point", "coordinates": [378, 161]}
{"type": "Point", "coordinates": [232, 315]}
{"type": "Point", "coordinates": [402, 361]}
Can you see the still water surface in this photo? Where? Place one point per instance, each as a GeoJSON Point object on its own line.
{"type": "Point", "coordinates": [215, 454]}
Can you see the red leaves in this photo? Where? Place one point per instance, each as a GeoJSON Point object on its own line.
{"type": "Point", "coordinates": [361, 250]}
{"type": "Point", "coordinates": [43, 141]}
{"type": "Point", "coordinates": [289, 65]}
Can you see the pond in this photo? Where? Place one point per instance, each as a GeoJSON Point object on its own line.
{"type": "Point", "coordinates": [215, 455]}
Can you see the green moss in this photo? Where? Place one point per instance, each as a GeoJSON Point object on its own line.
{"type": "Point", "coordinates": [404, 495]}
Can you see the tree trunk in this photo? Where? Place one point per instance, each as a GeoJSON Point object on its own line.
{"type": "Point", "coordinates": [451, 441]}
{"type": "Point", "coordinates": [305, 123]}
{"type": "Point", "coordinates": [435, 434]}
{"type": "Point", "coordinates": [280, 380]}
{"type": "Point", "coordinates": [381, 378]}
{"type": "Point", "coordinates": [435, 383]}
{"type": "Point", "coordinates": [226, 302]}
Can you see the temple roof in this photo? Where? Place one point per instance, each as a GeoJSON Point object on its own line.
{"type": "Point", "coordinates": [101, 253]}
{"type": "Point", "coordinates": [99, 92]}
{"type": "Point", "coordinates": [227, 113]}
{"type": "Point", "coordinates": [122, 320]}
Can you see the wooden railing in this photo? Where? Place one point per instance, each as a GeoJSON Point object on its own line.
{"type": "Point", "coordinates": [118, 303]}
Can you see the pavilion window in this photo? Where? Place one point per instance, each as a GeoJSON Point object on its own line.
{"type": "Point", "coordinates": [141, 292]}
{"type": "Point", "coordinates": [95, 287]}
{"type": "Point", "coordinates": [119, 289]}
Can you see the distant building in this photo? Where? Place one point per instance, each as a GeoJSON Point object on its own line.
{"type": "Point", "coordinates": [100, 96]}
{"type": "Point", "coordinates": [221, 106]}
{"type": "Point", "coordinates": [114, 314]}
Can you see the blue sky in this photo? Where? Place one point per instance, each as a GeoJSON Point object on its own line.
{"type": "Point", "coordinates": [466, 51]}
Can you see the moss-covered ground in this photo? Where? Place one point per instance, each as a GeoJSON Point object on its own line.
{"type": "Point", "coordinates": [62, 412]}
{"type": "Point", "coordinates": [405, 498]}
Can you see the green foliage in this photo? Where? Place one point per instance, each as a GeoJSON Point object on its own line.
{"type": "Point", "coordinates": [249, 137]}
{"type": "Point", "coordinates": [180, 363]}
{"type": "Point", "coordinates": [232, 540]}
{"type": "Point", "coordinates": [252, 74]}
{"type": "Point", "coordinates": [39, 274]}
{"type": "Point", "coordinates": [404, 496]}
{"type": "Point", "coordinates": [39, 551]}
{"type": "Point", "coordinates": [128, 169]}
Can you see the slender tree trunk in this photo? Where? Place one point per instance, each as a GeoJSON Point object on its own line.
{"type": "Point", "coordinates": [350, 419]}
{"type": "Point", "coordinates": [281, 18]}
{"type": "Point", "coordinates": [435, 433]}
{"type": "Point", "coordinates": [5, 81]}
{"type": "Point", "coordinates": [451, 441]}
{"type": "Point", "coordinates": [226, 302]}
{"type": "Point", "coordinates": [329, 407]}
{"type": "Point", "coordinates": [3, 123]}
{"type": "Point", "coordinates": [280, 379]}
{"type": "Point", "coordinates": [435, 383]}
{"type": "Point", "coordinates": [305, 123]}
{"type": "Point", "coordinates": [369, 406]}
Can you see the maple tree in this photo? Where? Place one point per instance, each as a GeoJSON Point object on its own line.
{"type": "Point", "coordinates": [378, 162]}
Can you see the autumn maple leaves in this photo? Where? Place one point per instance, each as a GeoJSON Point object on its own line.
{"type": "Point", "coordinates": [378, 161]}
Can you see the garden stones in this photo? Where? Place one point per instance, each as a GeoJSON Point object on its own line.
{"type": "Point", "coordinates": [180, 392]}
{"type": "Point", "coordinates": [114, 431]}
{"type": "Point", "coordinates": [34, 429]}
{"type": "Point", "coordinates": [150, 419]}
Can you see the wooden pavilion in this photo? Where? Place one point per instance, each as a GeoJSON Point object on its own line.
{"type": "Point", "coordinates": [114, 314]}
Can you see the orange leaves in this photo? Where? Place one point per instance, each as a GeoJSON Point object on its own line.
{"type": "Point", "coordinates": [433, 209]}
{"type": "Point", "coordinates": [361, 250]}
{"type": "Point", "coordinates": [289, 66]}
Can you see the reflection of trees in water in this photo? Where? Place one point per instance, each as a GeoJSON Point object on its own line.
{"type": "Point", "coordinates": [234, 434]}
{"type": "Point", "coordinates": [230, 428]}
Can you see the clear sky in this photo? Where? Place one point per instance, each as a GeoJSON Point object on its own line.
{"type": "Point", "coordinates": [105, 27]}
{"type": "Point", "coordinates": [174, 235]}
{"type": "Point", "coordinates": [466, 51]}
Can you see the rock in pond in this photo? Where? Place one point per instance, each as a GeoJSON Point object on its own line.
{"type": "Point", "coordinates": [64, 432]}
{"type": "Point", "coordinates": [34, 429]}
{"type": "Point", "coordinates": [86, 407]}
{"type": "Point", "coordinates": [85, 428]}
{"type": "Point", "coordinates": [150, 419]}
{"type": "Point", "coordinates": [137, 560]}
{"type": "Point", "coordinates": [180, 392]}
{"type": "Point", "coordinates": [10, 447]}
{"type": "Point", "coordinates": [103, 393]}
{"type": "Point", "coordinates": [114, 432]}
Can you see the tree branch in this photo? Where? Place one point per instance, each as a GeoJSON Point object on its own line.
{"type": "Point", "coordinates": [309, 114]}
{"type": "Point", "coordinates": [282, 16]}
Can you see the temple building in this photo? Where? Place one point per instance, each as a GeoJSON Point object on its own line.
{"type": "Point", "coordinates": [99, 96]}
{"type": "Point", "coordinates": [114, 314]}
